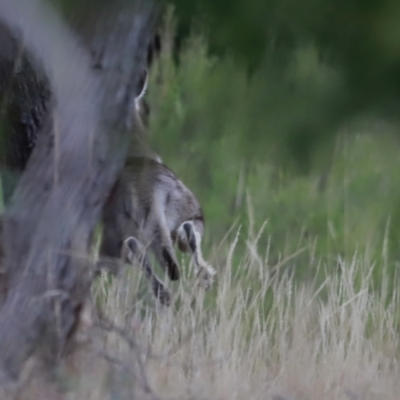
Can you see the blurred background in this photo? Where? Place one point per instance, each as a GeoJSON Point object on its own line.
{"type": "Point", "coordinates": [282, 116]}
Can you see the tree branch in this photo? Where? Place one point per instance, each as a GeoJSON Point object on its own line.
{"type": "Point", "coordinates": [78, 156]}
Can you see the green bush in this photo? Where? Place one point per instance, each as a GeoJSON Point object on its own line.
{"type": "Point", "coordinates": [224, 132]}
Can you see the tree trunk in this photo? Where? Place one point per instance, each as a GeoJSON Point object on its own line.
{"type": "Point", "coordinates": [79, 153]}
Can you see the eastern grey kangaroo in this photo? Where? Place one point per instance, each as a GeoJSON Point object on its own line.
{"type": "Point", "coordinates": [151, 209]}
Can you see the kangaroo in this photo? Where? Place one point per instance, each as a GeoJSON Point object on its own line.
{"type": "Point", "coordinates": [151, 209]}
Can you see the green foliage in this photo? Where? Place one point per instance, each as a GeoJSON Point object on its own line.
{"type": "Point", "coordinates": [226, 135]}
{"type": "Point", "coordinates": [256, 144]}
{"type": "Point", "coordinates": [359, 39]}
{"type": "Point", "coordinates": [359, 36]}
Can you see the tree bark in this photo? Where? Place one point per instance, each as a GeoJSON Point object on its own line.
{"type": "Point", "coordinates": [78, 156]}
{"type": "Point", "coordinates": [24, 99]}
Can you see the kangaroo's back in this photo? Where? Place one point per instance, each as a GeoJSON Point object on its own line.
{"type": "Point", "coordinates": [149, 208]}
{"type": "Point", "coordinates": [151, 188]}
{"type": "Point", "coordinates": [148, 194]}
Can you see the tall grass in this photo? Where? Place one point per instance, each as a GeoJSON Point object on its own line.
{"type": "Point", "coordinates": [258, 337]}
{"type": "Point", "coordinates": [306, 304]}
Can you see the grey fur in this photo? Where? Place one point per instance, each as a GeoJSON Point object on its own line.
{"type": "Point", "coordinates": [136, 252]}
{"type": "Point", "coordinates": [150, 204]}
{"type": "Point", "coordinates": [151, 209]}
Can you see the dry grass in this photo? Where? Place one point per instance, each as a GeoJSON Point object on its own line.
{"type": "Point", "coordinates": [257, 337]}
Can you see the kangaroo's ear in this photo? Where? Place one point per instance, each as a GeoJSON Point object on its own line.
{"type": "Point", "coordinates": [131, 249]}
{"type": "Point", "coordinates": [189, 238]}
{"type": "Point", "coordinates": [141, 89]}
{"type": "Point", "coordinates": [132, 244]}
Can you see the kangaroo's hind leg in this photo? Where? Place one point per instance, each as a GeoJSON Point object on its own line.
{"type": "Point", "coordinates": [135, 251]}
{"type": "Point", "coordinates": [190, 239]}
